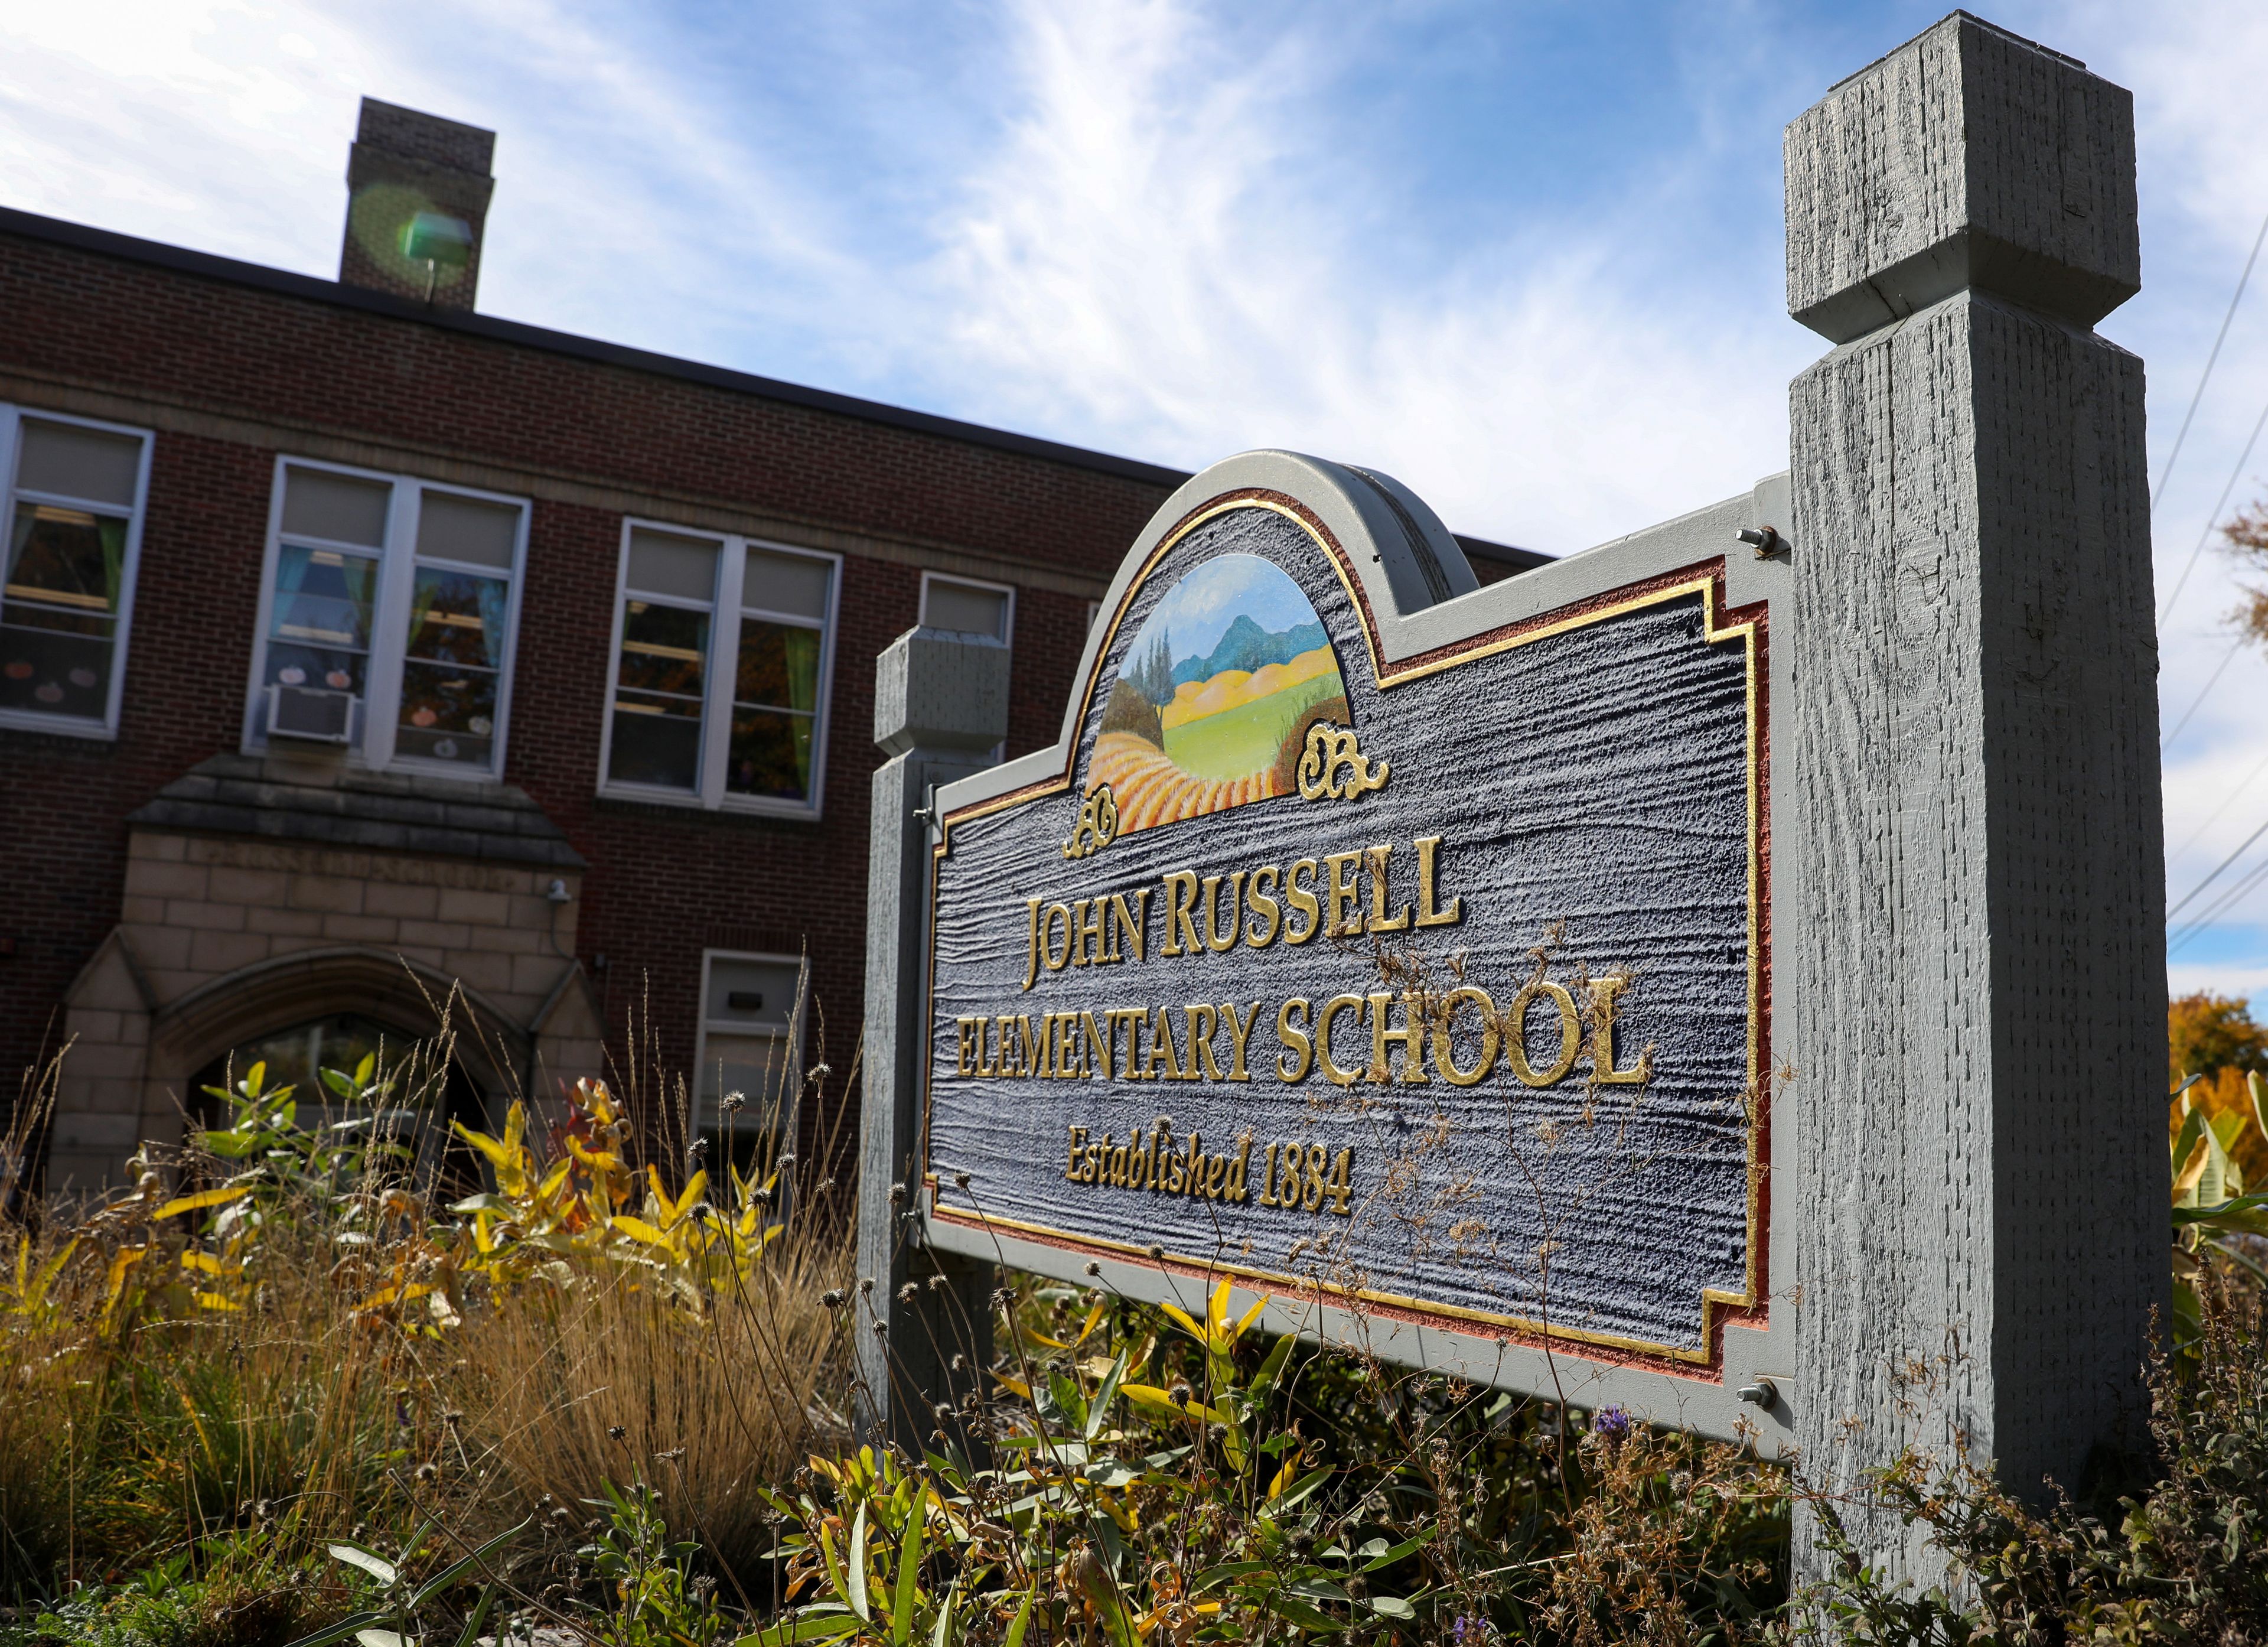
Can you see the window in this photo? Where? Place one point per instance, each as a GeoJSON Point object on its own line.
{"type": "Point", "coordinates": [751, 1043]}
{"type": "Point", "coordinates": [724, 649]}
{"type": "Point", "coordinates": [970, 608]}
{"type": "Point", "coordinates": [73, 512]}
{"type": "Point", "coordinates": [389, 619]}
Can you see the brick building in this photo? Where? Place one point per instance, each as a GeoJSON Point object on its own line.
{"type": "Point", "coordinates": [355, 644]}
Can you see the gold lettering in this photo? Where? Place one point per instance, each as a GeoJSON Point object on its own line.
{"type": "Point", "coordinates": [1214, 939]}
{"type": "Point", "coordinates": [1117, 1169]}
{"type": "Point", "coordinates": [1232, 1186]}
{"type": "Point", "coordinates": [1162, 1049]}
{"type": "Point", "coordinates": [1130, 921]}
{"type": "Point", "coordinates": [1260, 905]}
{"type": "Point", "coordinates": [1077, 1148]}
{"type": "Point", "coordinates": [1204, 1023]}
{"type": "Point", "coordinates": [1096, 1039]}
{"type": "Point", "coordinates": [1057, 915]}
{"type": "Point", "coordinates": [1444, 1058]}
{"type": "Point", "coordinates": [1093, 1173]}
{"type": "Point", "coordinates": [1428, 915]}
{"type": "Point", "coordinates": [1295, 1042]}
{"type": "Point", "coordinates": [985, 1028]}
{"type": "Point", "coordinates": [1304, 901]}
{"type": "Point", "coordinates": [1047, 1069]}
{"type": "Point", "coordinates": [1345, 895]}
{"type": "Point", "coordinates": [1378, 855]}
{"type": "Point", "coordinates": [1603, 990]}
{"type": "Point", "coordinates": [1032, 959]}
{"type": "Point", "coordinates": [1242, 1034]}
{"type": "Point", "coordinates": [1135, 1018]}
{"type": "Point", "coordinates": [1180, 913]}
{"type": "Point", "coordinates": [1177, 1176]}
{"type": "Point", "coordinates": [1027, 1045]}
{"type": "Point", "coordinates": [1515, 1037]}
{"type": "Point", "coordinates": [1411, 1035]}
{"type": "Point", "coordinates": [1267, 1185]}
{"type": "Point", "coordinates": [1216, 1168]}
{"type": "Point", "coordinates": [969, 1036]}
{"type": "Point", "coordinates": [1332, 1008]}
{"type": "Point", "coordinates": [1193, 1172]}
{"type": "Point", "coordinates": [1085, 935]}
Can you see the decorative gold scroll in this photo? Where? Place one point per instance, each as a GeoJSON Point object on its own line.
{"type": "Point", "coordinates": [1333, 751]}
{"type": "Point", "coordinates": [1098, 824]}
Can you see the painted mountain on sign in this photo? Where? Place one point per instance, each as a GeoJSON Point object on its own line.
{"type": "Point", "coordinates": [1211, 705]}
{"type": "Point", "coordinates": [1245, 646]}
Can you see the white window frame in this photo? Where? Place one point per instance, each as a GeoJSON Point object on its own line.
{"type": "Point", "coordinates": [11, 416]}
{"type": "Point", "coordinates": [389, 621]}
{"type": "Point", "coordinates": [791, 1090]}
{"type": "Point", "coordinates": [721, 673]}
{"type": "Point", "coordinates": [999, 752]}
{"type": "Point", "coordinates": [1008, 621]}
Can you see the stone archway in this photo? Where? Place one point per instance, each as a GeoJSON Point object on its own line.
{"type": "Point", "coordinates": [307, 984]}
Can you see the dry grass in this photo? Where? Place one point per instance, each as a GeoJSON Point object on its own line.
{"type": "Point", "coordinates": [562, 1390]}
{"type": "Point", "coordinates": [140, 1418]}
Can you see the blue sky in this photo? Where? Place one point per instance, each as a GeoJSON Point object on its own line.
{"type": "Point", "coordinates": [1197, 611]}
{"type": "Point", "coordinates": [1527, 258]}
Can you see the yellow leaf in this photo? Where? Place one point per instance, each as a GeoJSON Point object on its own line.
{"type": "Point", "coordinates": [695, 1187]}
{"type": "Point", "coordinates": [201, 1199]}
{"type": "Point", "coordinates": [205, 1263]}
{"type": "Point", "coordinates": [1249, 1318]}
{"type": "Point", "coordinates": [639, 1229]}
{"type": "Point", "coordinates": [1183, 1319]}
{"type": "Point", "coordinates": [2185, 1181]}
{"type": "Point", "coordinates": [216, 1301]}
{"type": "Point", "coordinates": [501, 1153]}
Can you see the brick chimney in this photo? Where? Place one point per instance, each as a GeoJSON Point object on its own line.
{"type": "Point", "coordinates": [417, 197]}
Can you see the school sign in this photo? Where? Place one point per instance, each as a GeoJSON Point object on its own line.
{"type": "Point", "coordinates": [1715, 972]}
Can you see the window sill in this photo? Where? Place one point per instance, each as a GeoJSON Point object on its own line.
{"type": "Point", "coordinates": [732, 806]}
{"type": "Point", "coordinates": [57, 725]}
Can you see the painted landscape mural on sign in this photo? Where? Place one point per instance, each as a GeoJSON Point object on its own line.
{"type": "Point", "coordinates": [1211, 706]}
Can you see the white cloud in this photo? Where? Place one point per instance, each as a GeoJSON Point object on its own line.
{"type": "Point", "coordinates": [1150, 256]}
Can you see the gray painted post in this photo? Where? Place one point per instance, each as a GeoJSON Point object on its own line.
{"type": "Point", "coordinates": [1968, 841]}
{"type": "Point", "coordinates": [940, 705]}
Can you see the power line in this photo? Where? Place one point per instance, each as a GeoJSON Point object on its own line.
{"type": "Point", "coordinates": [2204, 536]}
{"type": "Point", "coordinates": [2165, 743]}
{"type": "Point", "coordinates": [2227, 801]}
{"type": "Point", "coordinates": [2215, 875]}
{"type": "Point", "coordinates": [2228, 901]}
{"type": "Point", "coordinates": [2205, 377]}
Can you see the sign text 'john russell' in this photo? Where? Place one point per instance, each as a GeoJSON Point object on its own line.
{"type": "Point", "coordinates": [1437, 986]}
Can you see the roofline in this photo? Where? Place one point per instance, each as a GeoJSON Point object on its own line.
{"type": "Point", "coordinates": [207, 266]}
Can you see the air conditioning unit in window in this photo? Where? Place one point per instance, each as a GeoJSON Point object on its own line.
{"type": "Point", "coordinates": [304, 711]}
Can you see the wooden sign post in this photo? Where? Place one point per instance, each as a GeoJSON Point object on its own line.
{"type": "Point", "coordinates": [1971, 892]}
{"type": "Point", "coordinates": [1714, 973]}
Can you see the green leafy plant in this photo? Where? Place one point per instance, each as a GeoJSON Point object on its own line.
{"type": "Point", "coordinates": [656, 1600]}
{"type": "Point", "coordinates": [392, 1621]}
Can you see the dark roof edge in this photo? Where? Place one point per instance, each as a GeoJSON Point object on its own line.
{"type": "Point", "coordinates": [1504, 554]}
{"type": "Point", "coordinates": [206, 265]}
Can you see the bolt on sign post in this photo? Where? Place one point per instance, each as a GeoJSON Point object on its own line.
{"type": "Point", "coordinates": [1711, 973]}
